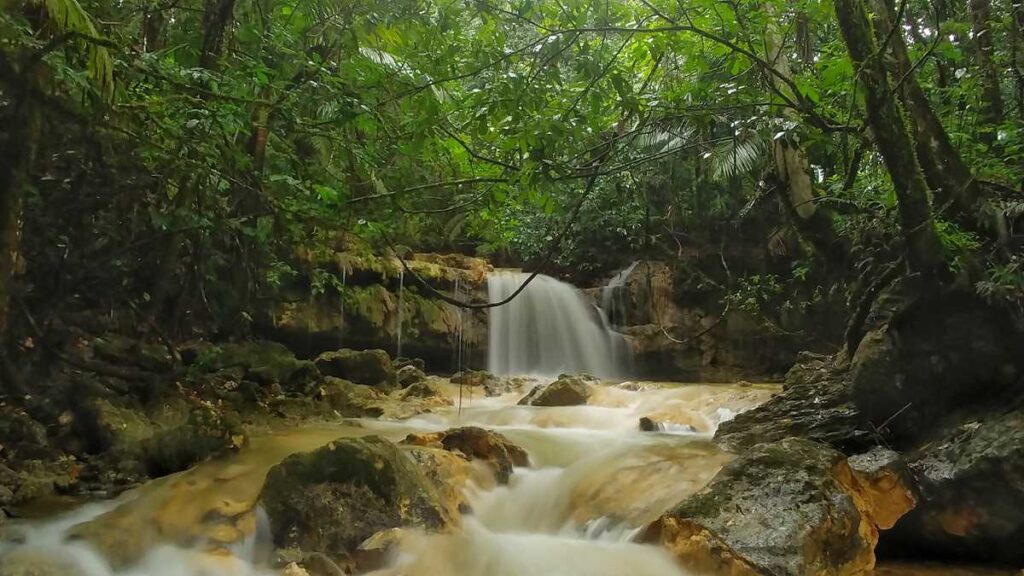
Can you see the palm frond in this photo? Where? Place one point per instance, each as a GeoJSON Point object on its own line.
{"type": "Point", "coordinates": [395, 64]}
{"type": "Point", "coordinates": [68, 17]}
{"type": "Point", "coordinates": [735, 157]}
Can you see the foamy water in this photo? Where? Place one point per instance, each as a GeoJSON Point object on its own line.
{"type": "Point", "coordinates": [594, 481]}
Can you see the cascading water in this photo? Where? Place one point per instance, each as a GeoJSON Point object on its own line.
{"type": "Point", "coordinates": [341, 308]}
{"type": "Point", "coordinates": [613, 297]}
{"type": "Point", "coordinates": [548, 329]}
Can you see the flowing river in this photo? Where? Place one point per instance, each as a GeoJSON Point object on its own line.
{"type": "Point", "coordinates": [594, 480]}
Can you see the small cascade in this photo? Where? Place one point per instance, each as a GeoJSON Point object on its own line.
{"type": "Point", "coordinates": [548, 329]}
{"type": "Point", "coordinates": [613, 297]}
{"type": "Point", "coordinates": [401, 306]}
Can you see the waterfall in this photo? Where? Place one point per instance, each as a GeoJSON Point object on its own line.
{"type": "Point", "coordinates": [548, 329]}
{"type": "Point", "coordinates": [613, 297]}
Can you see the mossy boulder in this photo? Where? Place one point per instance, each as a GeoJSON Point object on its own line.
{"type": "Point", "coordinates": [792, 507]}
{"type": "Point", "coordinates": [261, 362]}
{"type": "Point", "coordinates": [205, 433]}
{"type": "Point", "coordinates": [368, 367]}
{"type": "Point", "coordinates": [352, 400]}
{"type": "Point", "coordinates": [409, 375]}
{"type": "Point", "coordinates": [332, 499]}
{"type": "Point", "coordinates": [566, 391]}
{"type": "Point", "coordinates": [427, 390]}
{"type": "Point", "coordinates": [21, 435]}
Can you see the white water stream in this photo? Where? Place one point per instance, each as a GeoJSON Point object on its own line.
{"type": "Point", "coordinates": [594, 480]}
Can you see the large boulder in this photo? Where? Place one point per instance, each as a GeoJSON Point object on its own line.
{"type": "Point", "coordinates": [369, 367]}
{"type": "Point", "coordinates": [971, 481]}
{"type": "Point", "coordinates": [332, 499]}
{"type": "Point", "coordinates": [475, 443]}
{"type": "Point", "coordinates": [792, 507]}
{"type": "Point", "coordinates": [566, 391]}
{"type": "Point", "coordinates": [815, 403]}
{"type": "Point", "coordinates": [409, 375]}
{"type": "Point", "coordinates": [932, 357]}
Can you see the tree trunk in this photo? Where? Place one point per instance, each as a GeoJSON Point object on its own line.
{"type": "Point", "coordinates": [992, 104]}
{"type": "Point", "coordinates": [956, 191]}
{"type": "Point", "coordinates": [217, 17]}
{"type": "Point", "coordinates": [16, 161]}
{"type": "Point", "coordinates": [811, 221]}
{"type": "Point", "coordinates": [1014, 30]}
{"type": "Point", "coordinates": [888, 125]}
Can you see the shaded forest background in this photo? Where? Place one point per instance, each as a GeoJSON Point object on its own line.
{"type": "Point", "coordinates": [178, 160]}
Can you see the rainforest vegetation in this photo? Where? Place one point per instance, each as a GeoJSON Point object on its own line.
{"type": "Point", "coordinates": [171, 157]}
{"type": "Point", "coordinates": [221, 219]}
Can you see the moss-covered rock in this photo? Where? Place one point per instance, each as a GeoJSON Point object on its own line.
{"type": "Point", "coordinates": [352, 400]}
{"type": "Point", "coordinates": [368, 367]}
{"type": "Point", "coordinates": [260, 361]}
{"type": "Point", "coordinates": [427, 390]}
{"type": "Point", "coordinates": [334, 498]}
{"type": "Point", "coordinates": [566, 391]}
{"type": "Point", "coordinates": [792, 507]}
{"type": "Point", "coordinates": [409, 375]}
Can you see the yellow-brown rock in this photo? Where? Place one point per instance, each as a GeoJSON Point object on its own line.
{"type": "Point", "coordinates": [792, 507]}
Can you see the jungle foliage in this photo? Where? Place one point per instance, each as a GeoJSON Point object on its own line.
{"type": "Point", "coordinates": [173, 156]}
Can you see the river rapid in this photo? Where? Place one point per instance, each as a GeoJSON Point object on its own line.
{"type": "Point", "coordinates": [594, 481]}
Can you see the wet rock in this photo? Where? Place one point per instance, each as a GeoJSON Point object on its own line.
{"type": "Point", "coordinates": [368, 367]}
{"type": "Point", "coordinates": [479, 444]}
{"type": "Point", "coordinates": [566, 391]}
{"type": "Point", "coordinates": [417, 363]}
{"type": "Point", "coordinates": [373, 553]}
{"type": "Point", "coordinates": [334, 498]}
{"type": "Point", "coordinates": [262, 362]}
{"type": "Point", "coordinates": [358, 401]}
{"type": "Point", "coordinates": [815, 403]}
{"type": "Point", "coordinates": [36, 563]}
{"type": "Point", "coordinates": [492, 385]}
{"type": "Point", "coordinates": [935, 356]}
{"type": "Point", "coordinates": [971, 494]}
{"type": "Point", "coordinates": [450, 474]}
{"type": "Point", "coordinates": [792, 507]}
{"type": "Point", "coordinates": [409, 375]}
{"type": "Point", "coordinates": [427, 391]}
{"type": "Point", "coordinates": [205, 433]}
{"type": "Point", "coordinates": [107, 424]}
{"type": "Point", "coordinates": [352, 400]}
{"type": "Point", "coordinates": [884, 482]}
{"type": "Point", "coordinates": [652, 424]}
{"type": "Point", "coordinates": [21, 436]}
